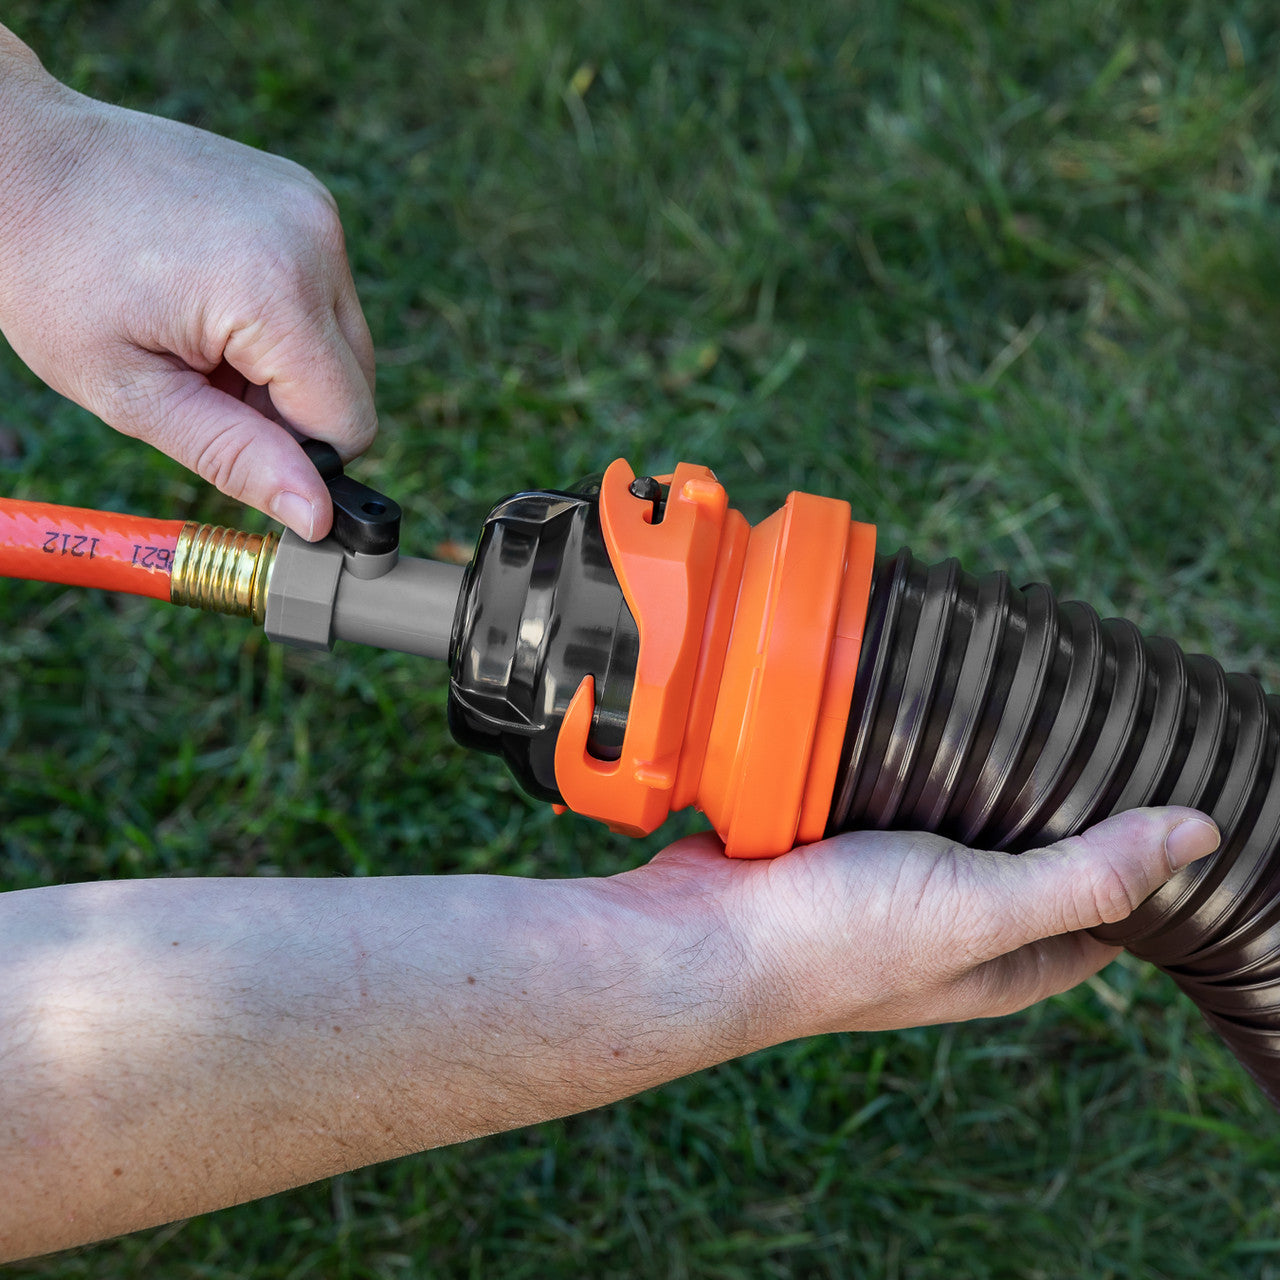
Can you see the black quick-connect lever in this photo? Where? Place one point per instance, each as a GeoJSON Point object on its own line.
{"type": "Point", "coordinates": [365, 521]}
{"type": "Point", "coordinates": [354, 584]}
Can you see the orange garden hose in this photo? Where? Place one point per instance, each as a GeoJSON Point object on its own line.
{"type": "Point", "coordinates": [87, 548]}
{"type": "Point", "coordinates": [201, 565]}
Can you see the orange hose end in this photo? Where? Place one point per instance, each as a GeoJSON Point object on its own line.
{"type": "Point", "coordinates": [87, 548]}
{"type": "Point", "coordinates": [785, 692]}
{"type": "Point", "coordinates": [749, 643]}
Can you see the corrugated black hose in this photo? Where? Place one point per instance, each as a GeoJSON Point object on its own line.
{"type": "Point", "coordinates": [1006, 720]}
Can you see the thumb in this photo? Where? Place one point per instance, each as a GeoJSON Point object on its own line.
{"type": "Point", "coordinates": [224, 441]}
{"type": "Point", "coordinates": [1095, 878]}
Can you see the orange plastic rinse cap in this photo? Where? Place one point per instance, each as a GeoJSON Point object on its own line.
{"type": "Point", "coordinates": [749, 643]}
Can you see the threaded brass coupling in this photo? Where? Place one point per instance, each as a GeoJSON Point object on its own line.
{"type": "Point", "coordinates": [223, 570]}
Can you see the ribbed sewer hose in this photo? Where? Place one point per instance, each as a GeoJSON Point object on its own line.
{"type": "Point", "coordinates": [997, 716]}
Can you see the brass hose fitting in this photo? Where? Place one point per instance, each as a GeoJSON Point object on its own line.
{"type": "Point", "coordinates": [223, 570]}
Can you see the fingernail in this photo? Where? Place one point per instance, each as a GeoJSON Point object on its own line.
{"type": "Point", "coordinates": [295, 511]}
{"type": "Point", "coordinates": [1191, 839]}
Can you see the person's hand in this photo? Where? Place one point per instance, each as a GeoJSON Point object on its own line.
{"type": "Point", "coordinates": [187, 290]}
{"type": "Point", "coordinates": [875, 930]}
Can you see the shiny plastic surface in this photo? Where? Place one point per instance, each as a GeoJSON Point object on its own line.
{"type": "Point", "coordinates": [540, 610]}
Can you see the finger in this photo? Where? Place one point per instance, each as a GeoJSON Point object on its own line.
{"type": "Point", "coordinates": [1097, 877]}
{"type": "Point", "coordinates": [316, 381]}
{"type": "Point", "coordinates": [1026, 976]}
{"type": "Point", "coordinates": [355, 329]}
{"type": "Point", "coordinates": [697, 861]}
{"type": "Point", "coordinates": [692, 850]}
{"type": "Point", "coordinates": [226, 442]}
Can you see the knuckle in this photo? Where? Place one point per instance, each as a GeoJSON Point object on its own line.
{"type": "Point", "coordinates": [306, 181]}
{"type": "Point", "coordinates": [363, 431]}
{"type": "Point", "coordinates": [317, 213]}
{"type": "Point", "coordinates": [1112, 897]}
{"type": "Point", "coordinates": [289, 274]}
{"type": "Point", "coordinates": [224, 461]}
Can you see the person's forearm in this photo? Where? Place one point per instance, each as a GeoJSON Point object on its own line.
{"type": "Point", "coordinates": [171, 1047]}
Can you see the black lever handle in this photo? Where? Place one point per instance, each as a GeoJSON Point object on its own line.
{"type": "Point", "coordinates": [364, 521]}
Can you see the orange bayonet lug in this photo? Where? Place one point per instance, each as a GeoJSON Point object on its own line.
{"type": "Point", "coordinates": [721, 608]}
{"type": "Point", "coordinates": [665, 571]}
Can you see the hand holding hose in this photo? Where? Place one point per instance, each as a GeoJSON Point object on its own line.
{"type": "Point", "coordinates": [189, 291]}
{"type": "Point", "coordinates": [874, 930]}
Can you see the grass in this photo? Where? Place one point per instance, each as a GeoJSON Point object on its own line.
{"type": "Point", "coordinates": [1007, 277]}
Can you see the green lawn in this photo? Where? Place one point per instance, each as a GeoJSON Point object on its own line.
{"type": "Point", "coordinates": [1006, 276]}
